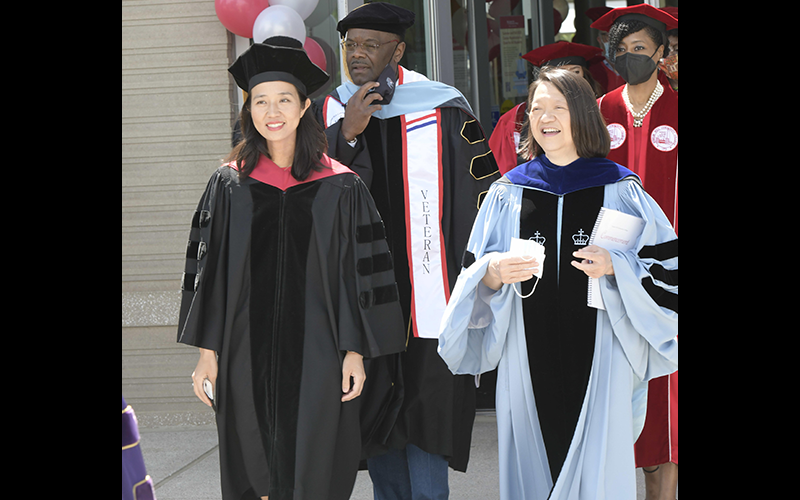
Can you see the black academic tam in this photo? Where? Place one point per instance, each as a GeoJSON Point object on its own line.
{"type": "Point", "coordinates": [281, 283]}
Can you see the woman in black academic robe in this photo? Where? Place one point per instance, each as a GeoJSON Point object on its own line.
{"type": "Point", "coordinates": [288, 284]}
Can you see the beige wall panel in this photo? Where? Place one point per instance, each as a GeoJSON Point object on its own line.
{"type": "Point", "coordinates": [176, 127]}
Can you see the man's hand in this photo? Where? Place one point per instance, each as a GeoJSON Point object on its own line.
{"type": "Point", "coordinates": [359, 110]}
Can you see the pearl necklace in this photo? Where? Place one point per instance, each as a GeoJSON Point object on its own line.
{"type": "Point", "coordinates": [638, 117]}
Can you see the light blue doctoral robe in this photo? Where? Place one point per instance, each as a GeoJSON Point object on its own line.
{"type": "Point", "coordinates": [635, 341]}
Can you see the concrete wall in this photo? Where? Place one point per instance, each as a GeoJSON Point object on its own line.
{"type": "Point", "coordinates": [176, 127]}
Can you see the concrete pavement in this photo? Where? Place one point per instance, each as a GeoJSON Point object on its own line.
{"type": "Point", "coordinates": [181, 453]}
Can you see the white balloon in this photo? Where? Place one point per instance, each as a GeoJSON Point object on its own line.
{"type": "Point", "coordinates": [302, 7]}
{"type": "Point", "coordinates": [279, 20]}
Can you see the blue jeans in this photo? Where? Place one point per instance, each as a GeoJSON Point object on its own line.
{"type": "Point", "coordinates": [410, 474]}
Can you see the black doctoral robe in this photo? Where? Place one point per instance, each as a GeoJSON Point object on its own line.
{"type": "Point", "coordinates": [281, 283]}
{"type": "Point", "coordinates": [438, 408]}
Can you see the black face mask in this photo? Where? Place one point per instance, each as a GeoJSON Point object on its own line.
{"type": "Point", "coordinates": [635, 68]}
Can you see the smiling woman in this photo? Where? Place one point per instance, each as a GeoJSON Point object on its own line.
{"type": "Point", "coordinates": [276, 110]}
{"type": "Point", "coordinates": [287, 374]}
{"type": "Point", "coordinates": [273, 118]}
{"type": "Point", "coordinates": [572, 402]}
{"type": "Point", "coordinates": [550, 124]}
{"type": "Point", "coordinates": [567, 120]}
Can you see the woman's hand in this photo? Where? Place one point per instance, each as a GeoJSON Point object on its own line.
{"type": "Point", "coordinates": [505, 268]}
{"type": "Point", "coordinates": [353, 366]}
{"type": "Point", "coordinates": [206, 369]}
{"type": "Point", "coordinates": [596, 261]}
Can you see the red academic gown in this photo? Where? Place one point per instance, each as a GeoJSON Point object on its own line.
{"type": "Point", "coordinates": [505, 137]}
{"type": "Point", "coordinates": [651, 151]}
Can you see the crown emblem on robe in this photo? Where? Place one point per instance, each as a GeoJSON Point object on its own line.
{"type": "Point", "coordinates": [580, 238]}
{"type": "Point", "coordinates": [538, 238]}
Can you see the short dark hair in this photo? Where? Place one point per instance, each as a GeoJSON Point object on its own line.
{"type": "Point", "coordinates": [310, 145]}
{"type": "Point", "coordinates": [589, 130]}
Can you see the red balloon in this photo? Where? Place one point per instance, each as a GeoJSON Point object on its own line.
{"type": "Point", "coordinates": [238, 16]}
{"type": "Point", "coordinates": [315, 53]}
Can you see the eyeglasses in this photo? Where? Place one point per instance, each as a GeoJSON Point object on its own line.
{"type": "Point", "coordinates": [368, 47]}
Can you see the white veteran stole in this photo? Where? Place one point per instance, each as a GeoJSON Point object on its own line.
{"type": "Point", "coordinates": [415, 101]}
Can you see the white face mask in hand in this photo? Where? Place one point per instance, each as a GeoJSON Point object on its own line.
{"type": "Point", "coordinates": [528, 250]}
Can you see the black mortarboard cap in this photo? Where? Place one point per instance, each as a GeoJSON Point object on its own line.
{"type": "Point", "coordinates": [278, 58]}
{"type": "Point", "coordinates": [378, 16]}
